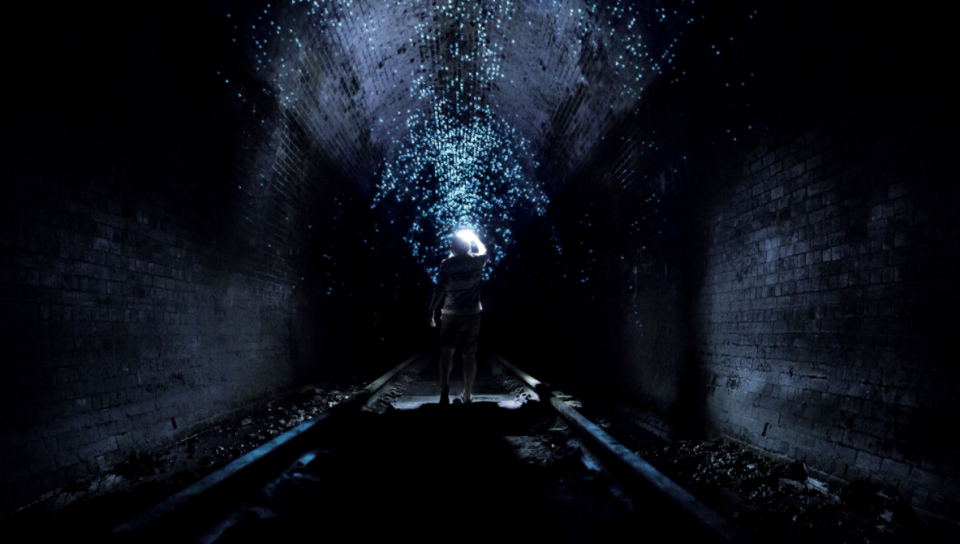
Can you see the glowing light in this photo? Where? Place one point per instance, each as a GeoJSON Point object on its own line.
{"type": "Point", "coordinates": [468, 236]}
{"type": "Point", "coordinates": [452, 157]}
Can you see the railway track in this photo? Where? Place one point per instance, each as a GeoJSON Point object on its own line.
{"type": "Point", "coordinates": [518, 462]}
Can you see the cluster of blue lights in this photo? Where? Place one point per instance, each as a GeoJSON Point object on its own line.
{"type": "Point", "coordinates": [437, 90]}
{"type": "Point", "coordinates": [459, 165]}
{"type": "Point", "coordinates": [454, 175]}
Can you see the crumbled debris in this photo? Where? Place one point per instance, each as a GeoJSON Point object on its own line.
{"type": "Point", "coordinates": [525, 481]}
{"type": "Point", "coordinates": [145, 478]}
{"type": "Point", "coordinates": [513, 385]}
{"type": "Point", "coordinates": [777, 501]}
{"type": "Point", "coordinates": [568, 399]}
{"type": "Point", "coordinates": [138, 466]}
{"type": "Point", "coordinates": [550, 442]}
{"type": "Point", "coordinates": [385, 400]}
{"type": "Point", "coordinates": [78, 486]}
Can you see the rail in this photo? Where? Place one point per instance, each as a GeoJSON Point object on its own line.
{"type": "Point", "coordinates": [204, 510]}
{"type": "Point", "coordinates": [632, 467]}
{"type": "Point", "coordinates": [192, 509]}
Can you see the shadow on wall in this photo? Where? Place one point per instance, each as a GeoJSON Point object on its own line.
{"type": "Point", "coordinates": [145, 289]}
{"type": "Point", "coordinates": [929, 420]}
{"type": "Point", "coordinates": [590, 331]}
{"type": "Point", "coordinates": [610, 316]}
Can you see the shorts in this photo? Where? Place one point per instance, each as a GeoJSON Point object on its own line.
{"type": "Point", "coordinates": [461, 332]}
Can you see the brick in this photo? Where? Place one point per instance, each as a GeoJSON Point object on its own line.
{"type": "Point", "coordinates": [836, 187]}
{"type": "Point", "coordinates": [868, 462]}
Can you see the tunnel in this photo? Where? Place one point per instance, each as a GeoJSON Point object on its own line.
{"type": "Point", "coordinates": [705, 220]}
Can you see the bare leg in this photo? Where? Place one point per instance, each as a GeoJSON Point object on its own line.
{"type": "Point", "coordinates": [469, 373]}
{"type": "Point", "coordinates": [446, 365]}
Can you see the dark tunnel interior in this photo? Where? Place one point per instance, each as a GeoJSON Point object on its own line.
{"type": "Point", "coordinates": [715, 218]}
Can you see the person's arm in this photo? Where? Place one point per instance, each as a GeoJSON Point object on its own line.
{"type": "Point", "coordinates": [481, 249]}
{"type": "Point", "coordinates": [438, 293]}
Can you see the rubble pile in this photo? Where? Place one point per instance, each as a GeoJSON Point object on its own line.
{"type": "Point", "coordinates": [146, 478]}
{"type": "Point", "coordinates": [777, 501]}
{"type": "Point", "coordinates": [231, 439]}
{"type": "Point", "coordinates": [234, 438]}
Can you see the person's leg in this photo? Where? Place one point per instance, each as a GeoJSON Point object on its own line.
{"type": "Point", "coordinates": [469, 373]}
{"type": "Point", "coordinates": [448, 340]}
{"type": "Point", "coordinates": [469, 354]}
{"type": "Point", "coordinates": [446, 365]}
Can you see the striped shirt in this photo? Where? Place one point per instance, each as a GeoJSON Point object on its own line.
{"type": "Point", "coordinates": [460, 281]}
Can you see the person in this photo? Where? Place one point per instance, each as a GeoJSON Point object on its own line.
{"type": "Point", "coordinates": [458, 288]}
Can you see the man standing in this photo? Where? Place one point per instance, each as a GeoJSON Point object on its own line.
{"type": "Point", "coordinates": [459, 284]}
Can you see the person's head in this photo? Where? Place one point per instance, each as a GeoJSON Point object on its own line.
{"type": "Point", "coordinates": [463, 241]}
{"type": "Point", "coordinates": [459, 245]}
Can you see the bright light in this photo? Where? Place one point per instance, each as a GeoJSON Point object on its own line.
{"type": "Point", "coordinates": [467, 236]}
{"type": "Point", "coordinates": [457, 158]}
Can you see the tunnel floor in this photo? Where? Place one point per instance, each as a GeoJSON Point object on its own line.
{"type": "Point", "coordinates": [500, 467]}
{"type": "Point", "coordinates": [497, 468]}
{"type": "Point", "coordinates": [420, 385]}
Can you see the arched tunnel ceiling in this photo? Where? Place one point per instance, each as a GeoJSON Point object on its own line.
{"type": "Point", "coordinates": [455, 113]}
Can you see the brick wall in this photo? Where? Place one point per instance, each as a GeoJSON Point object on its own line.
{"type": "Point", "coordinates": [171, 251]}
{"type": "Point", "coordinates": [830, 259]}
{"type": "Point", "coordinates": [177, 243]}
{"type": "Point", "coordinates": [831, 271]}
{"type": "Point", "coordinates": [769, 251]}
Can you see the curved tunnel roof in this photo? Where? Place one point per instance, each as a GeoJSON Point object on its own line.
{"type": "Point", "coordinates": [471, 108]}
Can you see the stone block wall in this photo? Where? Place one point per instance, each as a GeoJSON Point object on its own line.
{"type": "Point", "coordinates": [831, 273]}
{"type": "Point", "coordinates": [168, 254]}
{"type": "Point", "coordinates": [124, 330]}
{"type": "Point", "coordinates": [768, 251]}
